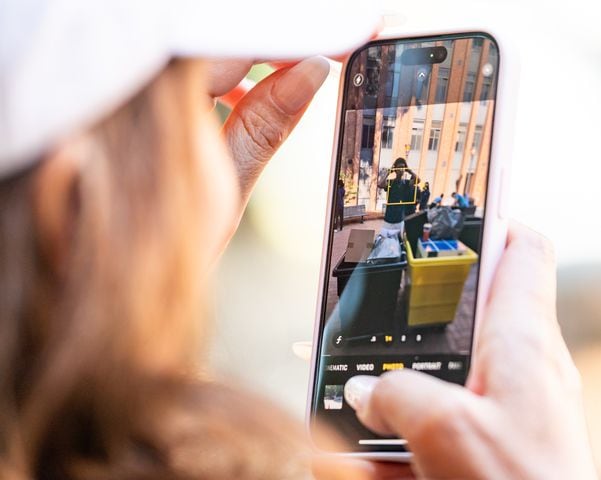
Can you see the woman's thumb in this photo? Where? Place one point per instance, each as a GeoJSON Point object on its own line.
{"type": "Point", "coordinates": [404, 402]}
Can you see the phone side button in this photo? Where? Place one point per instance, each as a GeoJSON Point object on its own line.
{"type": "Point", "coordinates": [502, 209]}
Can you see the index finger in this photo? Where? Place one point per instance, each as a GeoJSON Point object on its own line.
{"type": "Point", "coordinates": [520, 325]}
{"type": "Point", "coordinates": [525, 281]}
{"type": "Point", "coordinates": [225, 74]}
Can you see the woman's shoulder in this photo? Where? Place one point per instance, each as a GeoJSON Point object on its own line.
{"type": "Point", "coordinates": [216, 431]}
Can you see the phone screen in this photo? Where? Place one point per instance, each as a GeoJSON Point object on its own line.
{"type": "Point", "coordinates": [408, 208]}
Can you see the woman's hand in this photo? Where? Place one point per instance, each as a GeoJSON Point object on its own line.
{"type": "Point", "coordinates": [520, 415]}
{"type": "Point", "coordinates": [265, 116]}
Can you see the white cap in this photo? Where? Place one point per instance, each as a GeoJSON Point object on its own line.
{"type": "Point", "coordinates": [66, 63]}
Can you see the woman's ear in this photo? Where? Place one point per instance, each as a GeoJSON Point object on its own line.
{"type": "Point", "coordinates": [55, 202]}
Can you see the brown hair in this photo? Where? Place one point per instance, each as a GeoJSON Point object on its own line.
{"type": "Point", "coordinates": [400, 163]}
{"type": "Point", "coordinates": [97, 359]}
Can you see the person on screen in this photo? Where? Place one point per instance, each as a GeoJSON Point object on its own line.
{"type": "Point", "coordinates": [411, 198]}
{"type": "Point", "coordinates": [424, 197]}
{"type": "Point", "coordinates": [460, 200]}
{"type": "Point", "coordinates": [400, 186]}
{"type": "Point", "coordinates": [437, 202]}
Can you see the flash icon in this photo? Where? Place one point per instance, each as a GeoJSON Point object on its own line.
{"type": "Point", "coordinates": [358, 79]}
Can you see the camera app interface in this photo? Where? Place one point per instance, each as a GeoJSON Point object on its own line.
{"type": "Point", "coordinates": [407, 219]}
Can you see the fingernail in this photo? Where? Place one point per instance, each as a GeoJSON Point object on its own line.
{"type": "Point", "coordinates": [295, 88]}
{"type": "Point", "coordinates": [303, 350]}
{"type": "Point", "coordinates": [358, 389]}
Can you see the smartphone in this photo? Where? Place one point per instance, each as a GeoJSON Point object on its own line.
{"type": "Point", "coordinates": [414, 223]}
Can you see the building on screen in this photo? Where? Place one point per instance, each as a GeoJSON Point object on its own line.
{"type": "Point", "coordinates": [439, 117]}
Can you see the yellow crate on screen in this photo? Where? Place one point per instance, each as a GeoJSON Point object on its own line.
{"type": "Point", "coordinates": [436, 285]}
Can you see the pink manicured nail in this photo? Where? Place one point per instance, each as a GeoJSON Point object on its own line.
{"type": "Point", "coordinates": [295, 88]}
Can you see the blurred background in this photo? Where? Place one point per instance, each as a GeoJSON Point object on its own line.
{"type": "Point", "coordinates": [268, 278]}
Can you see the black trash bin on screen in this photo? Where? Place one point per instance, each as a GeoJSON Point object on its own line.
{"type": "Point", "coordinates": [368, 293]}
